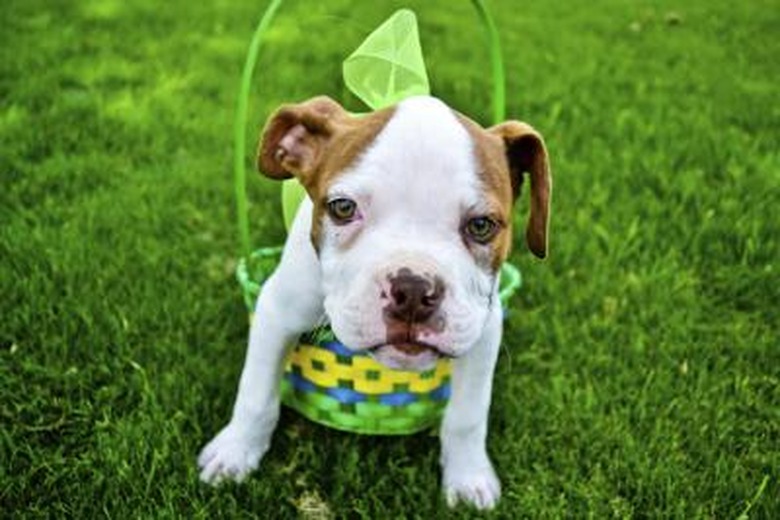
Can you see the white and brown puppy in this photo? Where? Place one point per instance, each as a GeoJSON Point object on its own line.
{"type": "Point", "coordinates": [399, 244]}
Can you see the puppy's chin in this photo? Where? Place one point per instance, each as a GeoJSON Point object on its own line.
{"type": "Point", "coordinates": [406, 356]}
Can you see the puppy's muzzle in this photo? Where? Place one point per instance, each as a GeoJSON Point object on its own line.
{"type": "Point", "coordinates": [413, 312]}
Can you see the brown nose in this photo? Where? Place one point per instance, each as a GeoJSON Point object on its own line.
{"type": "Point", "coordinates": [413, 298]}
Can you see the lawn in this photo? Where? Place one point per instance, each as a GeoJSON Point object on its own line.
{"type": "Point", "coordinates": [640, 373]}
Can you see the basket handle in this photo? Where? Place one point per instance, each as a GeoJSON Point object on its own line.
{"type": "Point", "coordinates": [496, 62]}
{"type": "Point", "coordinates": [242, 103]}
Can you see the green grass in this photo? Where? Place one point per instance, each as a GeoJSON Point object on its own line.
{"type": "Point", "coordinates": [641, 370]}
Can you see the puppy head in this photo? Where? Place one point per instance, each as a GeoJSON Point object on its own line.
{"type": "Point", "coordinates": [412, 218]}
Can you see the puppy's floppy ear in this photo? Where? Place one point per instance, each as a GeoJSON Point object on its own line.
{"type": "Point", "coordinates": [295, 136]}
{"type": "Point", "coordinates": [526, 153]}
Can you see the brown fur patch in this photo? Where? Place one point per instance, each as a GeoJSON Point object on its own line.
{"type": "Point", "coordinates": [319, 141]}
{"type": "Point", "coordinates": [495, 177]}
{"type": "Point", "coordinates": [505, 153]}
{"type": "Point", "coordinates": [527, 154]}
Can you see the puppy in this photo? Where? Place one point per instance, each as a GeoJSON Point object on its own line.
{"type": "Point", "coordinates": [399, 244]}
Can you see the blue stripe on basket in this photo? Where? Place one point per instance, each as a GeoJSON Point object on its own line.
{"type": "Point", "coordinates": [398, 398]}
{"type": "Point", "coordinates": [301, 383]}
{"type": "Point", "coordinates": [442, 393]}
{"type": "Point", "coordinates": [346, 395]}
{"type": "Point", "coordinates": [339, 349]}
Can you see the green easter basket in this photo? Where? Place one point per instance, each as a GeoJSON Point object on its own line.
{"type": "Point", "coordinates": [324, 380]}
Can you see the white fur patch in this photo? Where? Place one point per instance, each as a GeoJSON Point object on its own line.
{"type": "Point", "coordinates": [413, 187]}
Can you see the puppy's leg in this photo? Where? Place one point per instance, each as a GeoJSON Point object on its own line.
{"type": "Point", "coordinates": [468, 474]}
{"type": "Point", "coordinates": [289, 304]}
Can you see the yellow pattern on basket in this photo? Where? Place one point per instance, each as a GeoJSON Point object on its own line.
{"type": "Point", "coordinates": [362, 373]}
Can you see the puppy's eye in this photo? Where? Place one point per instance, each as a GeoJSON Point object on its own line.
{"type": "Point", "coordinates": [342, 210]}
{"type": "Point", "coordinates": [481, 229]}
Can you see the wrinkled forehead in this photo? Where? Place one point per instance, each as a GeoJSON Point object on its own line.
{"type": "Point", "coordinates": [423, 160]}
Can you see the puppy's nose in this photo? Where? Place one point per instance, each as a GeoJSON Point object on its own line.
{"type": "Point", "coordinates": [414, 298]}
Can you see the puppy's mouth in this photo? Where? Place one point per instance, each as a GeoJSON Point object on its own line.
{"type": "Point", "coordinates": [407, 355]}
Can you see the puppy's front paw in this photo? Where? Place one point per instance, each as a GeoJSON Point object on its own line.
{"type": "Point", "coordinates": [478, 487]}
{"type": "Point", "coordinates": [231, 455]}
